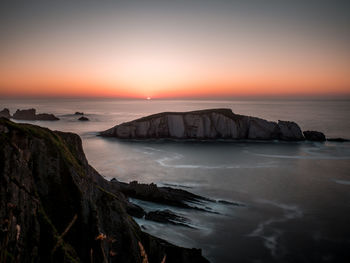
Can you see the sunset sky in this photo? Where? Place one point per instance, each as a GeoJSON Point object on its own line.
{"type": "Point", "coordinates": [174, 49]}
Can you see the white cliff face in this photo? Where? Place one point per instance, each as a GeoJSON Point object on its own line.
{"type": "Point", "coordinates": [176, 126]}
{"type": "Point", "coordinates": [205, 124]}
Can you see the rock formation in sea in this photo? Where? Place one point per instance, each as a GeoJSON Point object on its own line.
{"type": "Point", "coordinates": [83, 118]}
{"type": "Point", "coordinates": [31, 115]}
{"type": "Point", "coordinates": [55, 207]}
{"type": "Point", "coordinates": [314, 136]}
{"type": "Point", "coordinates": [79, 113]}
{"type": "Point", "coordinates": [206, 124]}
{"type": "Point", "coordinates": [5, 113]}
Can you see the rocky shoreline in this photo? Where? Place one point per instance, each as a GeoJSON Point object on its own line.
{"type": "Point", "coordinates": [55, 207]}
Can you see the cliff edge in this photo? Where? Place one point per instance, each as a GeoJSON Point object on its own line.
{"type": "Point", "coordinates": [54, 207]}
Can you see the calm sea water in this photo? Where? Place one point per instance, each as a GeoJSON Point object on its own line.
{"type": "Point", "coordinates": [295, 197]}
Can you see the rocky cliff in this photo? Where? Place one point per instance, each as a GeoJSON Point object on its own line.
{"type": "Point", "coordinates": [206, 124]}
{"type": "Point", "coordinates": [54, 207]}
{"type": "Point", "coordinates": [30, 114]}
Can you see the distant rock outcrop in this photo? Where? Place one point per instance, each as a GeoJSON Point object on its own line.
{"type": "Point", "coordinates": [31, 115]}
{"type": "Point", "coordinates": [5, 113]}
{"type": "Point", "coordinates": [83, 118]}
{"type": "Point", "coordinates": [314, 136]}
{"type": "Point", "coordinates": [205, 124]}
{"type": "Point", "coordinates": [78, 113]}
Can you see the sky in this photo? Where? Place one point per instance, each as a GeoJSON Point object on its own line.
{"type": "Point", "coordinates": [174, 49]}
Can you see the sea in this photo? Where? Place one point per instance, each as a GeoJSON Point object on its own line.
{"type": "Point", "coordinates": [275, 201]}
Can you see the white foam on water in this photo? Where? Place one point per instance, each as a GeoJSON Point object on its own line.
{"type": "Point", "coordinates": [344, 182]}
{"type": "Point", "coordinates": [306, 157]}
{"type": "Point", "coordinates": [271, 235]}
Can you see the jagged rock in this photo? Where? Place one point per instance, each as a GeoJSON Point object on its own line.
{"type": "Point", "coordinates": [5, 113]}
{"type": "Point", "coordinates": [166, 216]}
{"type": "Point", "coordinates": [31, 115]}
{"type": "Point", "coordinates": [54, 207]}
{"type": "Point", "coordinates": [164, 195]}
{"type": "Point", "coordinates": [205, 124]}
{"type": "Point", "coordinates": [79, 113]}
{"type": "Point", "coordinates": [83, 119]}
{"type": "Point", "coordinates": [289, 130]}
{"type": "Point", "coordinates": [314, 136]}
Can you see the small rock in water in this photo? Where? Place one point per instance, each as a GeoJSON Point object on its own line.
{"type": "Point", "coordinates": [83, 119]}
{"type": "Point", "coordinates": [79, 113]}
{"type": "Point", "coordinates": [314, 136]}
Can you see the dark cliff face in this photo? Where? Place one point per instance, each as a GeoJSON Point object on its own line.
{"type": "Point", "coordinates": [54, 207]}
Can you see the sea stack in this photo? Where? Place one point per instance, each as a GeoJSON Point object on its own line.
{"type": "Point", "coordinates": [5, 113]}
{"type": "Point", "coordinates": [31, 115]}
{"type": "Point", "coordinates": [205, 124]}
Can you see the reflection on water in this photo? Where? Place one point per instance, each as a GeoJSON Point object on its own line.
{"type": "Point", "coordinates": [295, 197]}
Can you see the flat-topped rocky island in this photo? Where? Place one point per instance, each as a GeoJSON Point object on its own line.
{"type": "Point", "coordinates": [208, 124]}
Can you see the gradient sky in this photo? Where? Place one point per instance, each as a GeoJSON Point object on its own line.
{"type": "Point", "coordinates": [174, 48]}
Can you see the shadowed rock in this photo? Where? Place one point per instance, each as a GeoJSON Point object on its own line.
{"type": "Point", "coordinates": [31, 115]}
{"type": "Point", "coordinates": [205, 124]}
{"type": "Point", "coordinates": [163, 195]}
{"type": "Point", "coordinates": [166, 217]}
{"type": "Point", "coordinates": [83, 119]}
{"type": "Point", "coordinates": [314, 136]}
{"type": "Point", "coordinates": [54, 207]}
{"type": "Point", "coordinates": [290, 131]}
{"type": "Point", "coordinates": [79, 113]}
{"type": "Point", "coordinates": [5, 113]}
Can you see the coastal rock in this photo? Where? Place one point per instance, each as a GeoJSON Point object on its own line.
{"type": "Point", "coordinates": [166, 216]}
{"type": "Point", "coordinates": [31, 115]}
{"type": "Point", "coordinates": [205, 124]}
{"type": "Point", "coordinates": [78, 113]}
{"type": "Point", "coordinates": [83, 118]}
{"type": "Point", "coordinates": [163, 195]}
{"type": "Point", "coordinates": [290, 131]}
{"type": "Point", "coordinates": [5, 113]}
{"type": "Point", "coordinates": [55, 207]}
{"type": "Point", "coordinates": [314, 136]}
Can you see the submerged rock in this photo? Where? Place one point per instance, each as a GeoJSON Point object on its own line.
{"type": "Point", "coordinates": [31, 115]}
{"type": "Point", "coordinates": [205, 124]}
{"type": "Point", "coordinates": [314, 136]}
{"type": "Point", "coordinates": [5, 113]}
{"type": "Point", "coordinates": [83, 119]}
{"type": "Point", "coordinates": [54, 207]}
